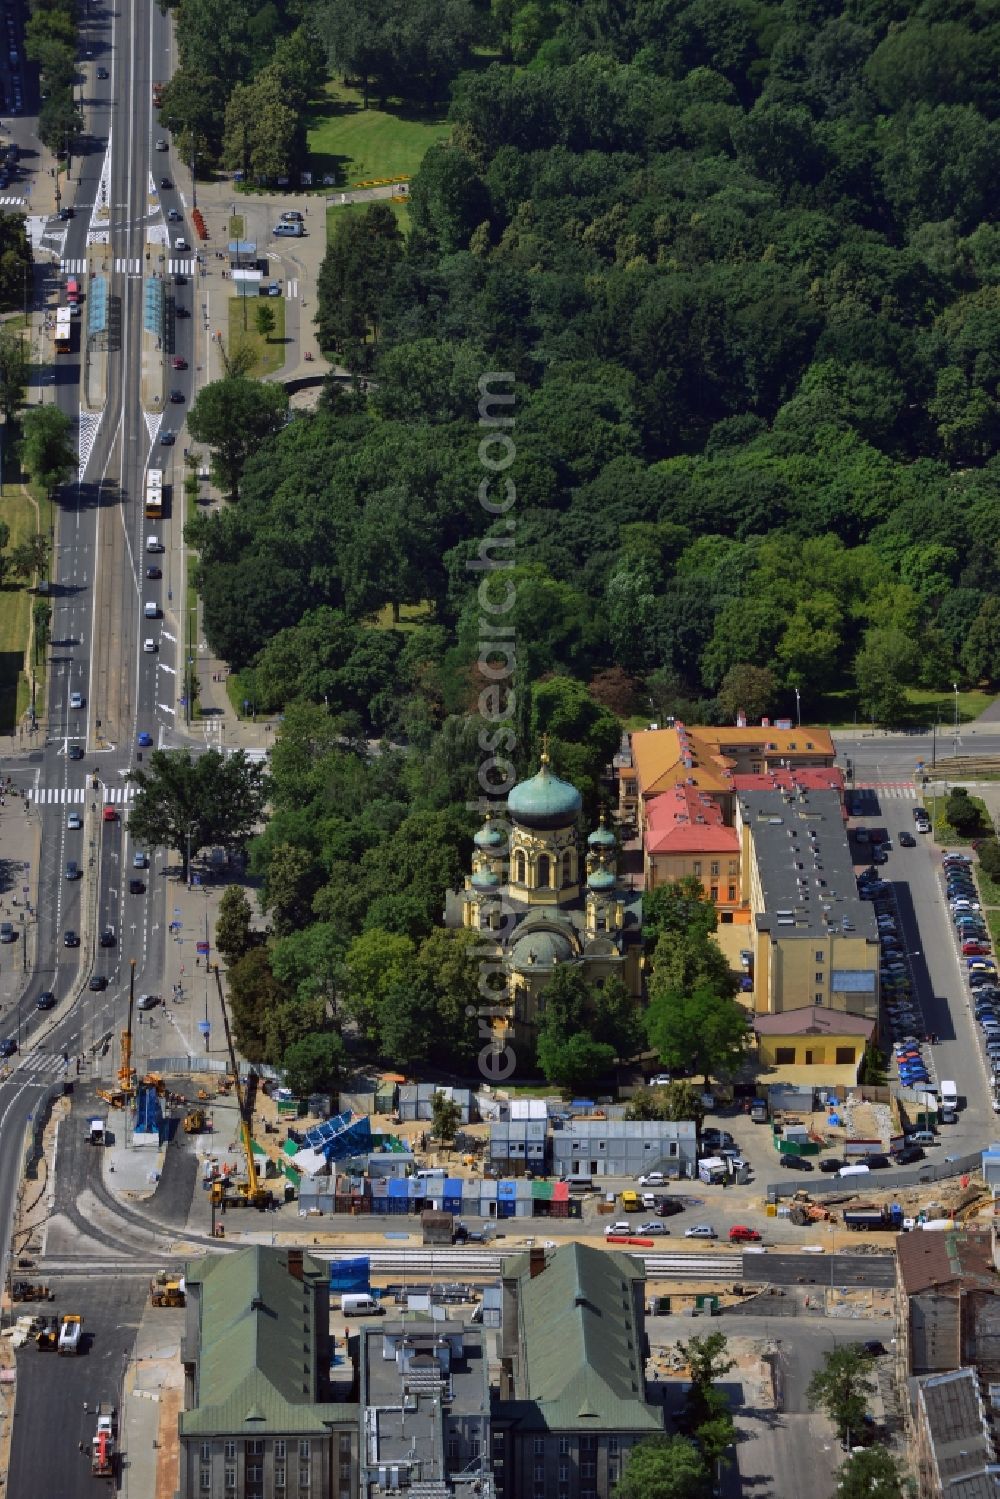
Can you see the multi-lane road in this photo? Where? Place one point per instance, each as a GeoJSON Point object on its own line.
{"type": "Point", "coordinates": [98, 581]}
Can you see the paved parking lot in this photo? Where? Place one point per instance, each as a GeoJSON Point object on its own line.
{"type": "Point", "coordinates": [939, 981]}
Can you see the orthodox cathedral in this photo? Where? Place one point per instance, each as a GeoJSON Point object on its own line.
{"type": "Point", "coordinates": [545, 904]}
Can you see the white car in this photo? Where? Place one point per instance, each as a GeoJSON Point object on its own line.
{"type": "Point", "coordinates": [700, 1231]}
{"type": "Point", "coordinates": [161, 144]}
{"type": "Point", "coordinates": [149, 645]}
{"type": "Point", "coordinates": [147, 1001]}
{"type": "Point", "coordinates": [180, 243]}
{"type": "Point", "coordinates": [76, 699]}
{"type": "Point", "coordinates": [618, 1229]}
{"type": "Point", "coordinates": [653, 1179]}
{"type": "Point", "coordinates": [652, 1228]}
{"type": "Point", "coordinates": [139, 860]}
{"type": "Point", "coordinates": [661, 1080]}
{"type": "Point", "coordinates": [74, 822]}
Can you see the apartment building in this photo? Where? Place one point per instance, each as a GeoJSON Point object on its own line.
{"type": "Point", "coordinates": [812, 941]}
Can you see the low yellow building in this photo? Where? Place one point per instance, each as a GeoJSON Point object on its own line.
{"type": "Point", "coordinates": [810, 1046]}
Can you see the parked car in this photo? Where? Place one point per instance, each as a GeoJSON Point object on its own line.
{"type": "Point", "coordinates": [700, 1231]}
{"type": "Point", "coordinates": [652, 1179]}
{"type": "Point", "coordinates": [795, 1162]}
{"type": "Point", "coordinates": [741, 1234]}
{"type": "Point", "coordinates": [653, 1228]}
{"type": "Point", "coordinates": [620, 1229]}
{"type": "Point", "coordinates": [830, 1163]}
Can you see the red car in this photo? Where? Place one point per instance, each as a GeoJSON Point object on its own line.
{"type": "Point", "coordinates": [178, 363]}
{"type": "Point", "coordinates": [975, 949]}
{"type": "Point", "coordinates": [740, 1234]}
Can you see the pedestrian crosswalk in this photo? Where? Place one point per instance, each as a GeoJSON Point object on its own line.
{"type": "Point", "coordinates": [72, 267]}
{"type": "Point", "coordinates": [905, 790]}
{"type": "Point", "coordinates": [181, 267]}
{"type": "Point", "coordinates": [68, 796]}
{"type": "Point", "coordinates": [128, 265]}
{"type": "Point", "coordinates": [38, 1062]}
{"type": "Point", "coordinates": [12, 202]}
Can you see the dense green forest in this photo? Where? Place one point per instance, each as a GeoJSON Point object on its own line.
{"type": "Point", "coordinates": [743, 264]}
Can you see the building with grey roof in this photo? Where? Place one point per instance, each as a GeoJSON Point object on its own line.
{"type": "Point", "coordinates": [425, 1407]}
{"type": "Point", "coordinates": [572, 1397]}
{"type": "Point", "coordinates": [954, 1447]}
{"type": "Point", "coordinates": [813, 940]}
{"type": "Point", "coordinates": [625, 1147]}
{"type": "Point", "coordinates": [258, 1417]}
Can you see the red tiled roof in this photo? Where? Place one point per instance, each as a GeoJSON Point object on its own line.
{"type": "Point", "coordinates": [813, 1019]}
{"type": "Point", "coordinates": [809, 778]}
{"type": "Point", "coordinates": [684, 820]}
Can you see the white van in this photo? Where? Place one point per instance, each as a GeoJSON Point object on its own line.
{"type": "Point", "coordinates": [854, 1171]}
{"type": "Point", "coordinates": [154, 544]}
{"type": "Point", "coordinates": [356, 1304]}
{"type": "Point", "coordinates": [294, 230]}
{"type": "Point", "coordinates": [949, 1094]}
{"type": "Point", "coordinates": [70, 1334]}
{"type": "Point", "coordinates": [151, 610]}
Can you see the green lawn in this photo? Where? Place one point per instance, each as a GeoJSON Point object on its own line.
{"type": "Point", "coordinates": [839, 710]}
{"type": "Point", "coordinates": [269, 353]}
{"type": "Point", "coordinates": [944, 833]}
{"type": "Point", "coordinates": [339, 210]}
{"type": "Point", "coordinates": [993, 922]}
{"type": "Point", "coordinates": [356, 145]}
{"type": "Point", "coordinates": [19, 513]}
{"type": "Point", "coordinates": [411, 616]}
{"type": "Point", "coordinates": [988, 889]}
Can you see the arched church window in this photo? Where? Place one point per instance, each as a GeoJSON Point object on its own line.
{"type": "Point", "coordinates": [544, 871]}
{"type": "Point", "coordinates": [519, 867]}
{"type": "Point", "coordinates": [567, 868]}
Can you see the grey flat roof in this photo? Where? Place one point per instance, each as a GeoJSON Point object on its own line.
{"type": "Point", "coordinates": [805, 867]}
{"type": "Point", "coordinates": [393, 1435]}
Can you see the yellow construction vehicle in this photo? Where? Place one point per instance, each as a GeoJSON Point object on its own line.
{"type": "Point", "coordinates": [194, 1121]}
{"type": "Point", "coordinates": [47, 1335]}
{"type": "Point", "coordinates": [123, 1095]}
{"type": "Point", "coordinates": [166, 1291]}
{"type": "Point", "coordinates": [249, 1193]}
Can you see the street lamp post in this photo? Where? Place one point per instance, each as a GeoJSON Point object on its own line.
{"type": "Point", "coordinates": [798, 708]}
{"type": "Point", "coordinates": [954, 688]}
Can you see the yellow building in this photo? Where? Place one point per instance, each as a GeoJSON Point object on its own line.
{"type": "Point", "coordinates": [707, 759]}
{"type": "Point", "coordinates": [812, 1046]}
{"type": "Point", "coordinates": [812, 941]}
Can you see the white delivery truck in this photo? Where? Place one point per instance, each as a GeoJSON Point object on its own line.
{"type": "Point", "coordinates": [948, 1093]}
{"type": "Point", "coordinates": [356, 1304]}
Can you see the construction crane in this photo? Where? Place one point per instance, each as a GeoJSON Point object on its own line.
{"type": "Point", "coordinates": [125, 1091]}
{"type": "Point", "coordinates": [252, 1194]}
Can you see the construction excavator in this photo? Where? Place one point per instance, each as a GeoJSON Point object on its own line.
{"type": "Point", "coordinates": [250, 1193]}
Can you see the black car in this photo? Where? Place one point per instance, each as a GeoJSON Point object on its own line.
{"type": "Point", "coordinates": [75, 752]}
{"type": "Point", "coordinates": [907, 1154]}
{"type": "Point", "coordinates": [47, 1001]}
{"type": "Point", "coordinates": [108, 938]}
{"type": "Point", "coordinates": [877, 1162]}
{"type": "Point", "coordinates": [182, 312]}
{"type": "Point", "coordinates": [874, 1348]}
{"type": "Point", "coordinates": [8, 1047]}
{"type": "Point", "coordinates": [137, 887]}
{"type": "Point", "coordinates": [906, 840]}
{"type": "Point", "coordinates": [103, 73]}
{"type": "Point", "coordinates": [795, 1162]}
{"type": "Point", "coordinates": [97, 983]}
{"type": "Point", "coordinates": [71, 939]}
{"type": "Point", "coordinates": [177, 397]}
{"type": "Point", "coordinates": [154, 572]}
{"type": "Point", "coordinates": [668, 1207]}
{"type": "Point", "coordinates": [879, 856]}
{"type": "Point", "coordinates": [830, 1163]}
{"type": "Point", "coordinates": [165, 184]}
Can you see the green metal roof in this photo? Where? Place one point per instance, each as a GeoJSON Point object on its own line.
{"type": "Point", "coordinates": [544, 801]}
{"type": "Point", "coordinates": [257, 1344]}
{"type": "Point", "coordinates": [581, 1364]}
